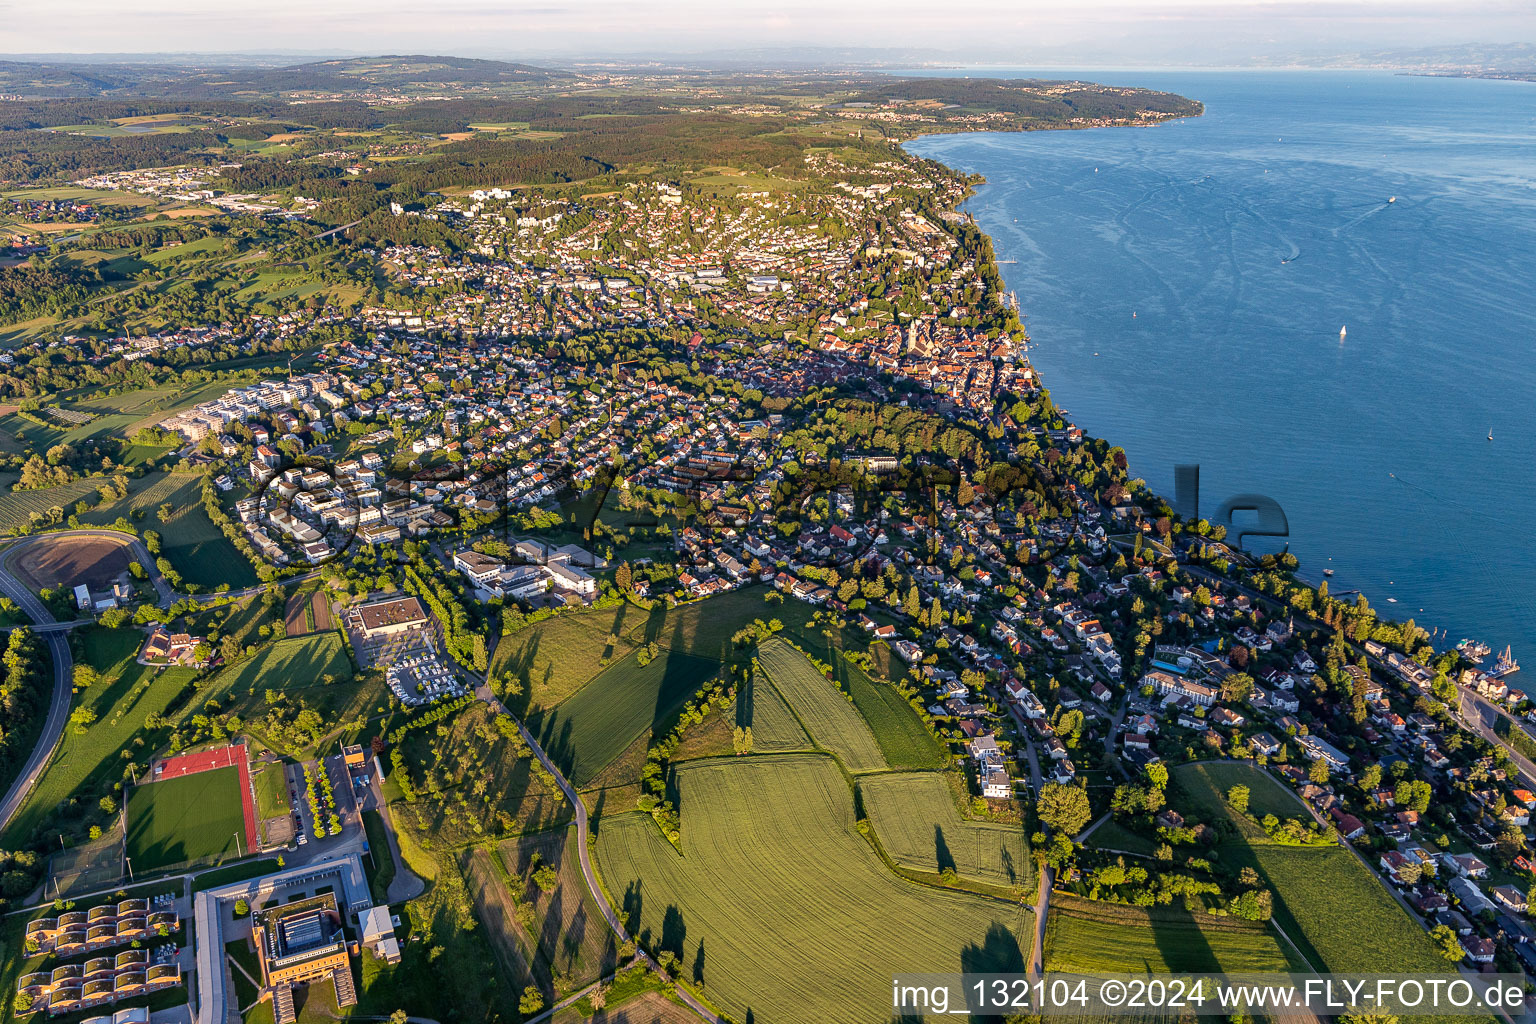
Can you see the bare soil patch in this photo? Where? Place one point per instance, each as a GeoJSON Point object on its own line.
{"type": "Point", "coordinates": [70, 561]}
{"type": "Point", "coordinates": [179, 212]}
{"type": "Point", "coordinates": [307, 614]}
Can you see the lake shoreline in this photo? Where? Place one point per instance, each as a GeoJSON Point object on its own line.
{"type": "Point", "coordinates": [1068, 339]}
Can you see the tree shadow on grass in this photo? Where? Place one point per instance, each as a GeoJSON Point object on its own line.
{"type": "Point", "coordinates": [1181, 942]}
{"type": "Point", "coordinates": [941, 854]}
{"type": "Point", "coordinates": [998, 953]}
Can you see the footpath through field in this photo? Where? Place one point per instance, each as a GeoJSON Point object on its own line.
{"type": "Point", "coordinates": [235, 756]}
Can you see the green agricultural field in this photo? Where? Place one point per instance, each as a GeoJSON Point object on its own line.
{"type": "Point", "coordinates": [777, 906]}
{"type": "Point", "coordinates": [920, 828]}
{"type": "Point", "coordinates": [199, 551]}
{"type": "Point", "coordinates": [706, 628]}
{"type": "Point", "coordinates": [774, 727]}
{"type": "Point", "coordinates": [832, 721]}
{"type": "Point", "coordinates": [1340, 915]}
{"type": "Point", "coordinates": [122, 699]}
{"type": "Point", "coordinates": [556, 657]}
{"type": "Point", "coordinates": [191, 818]}
{"type": "Point", "coordinates": [1082, 936]}
{"type": "Point", "coordinates": [1328, 902]}
{"type": "Point", "coordinates": [627, 701]}
{"type": "Point", "coordinates": [298, 668]}
{"type": "Point", "coordinates": [904, 739]}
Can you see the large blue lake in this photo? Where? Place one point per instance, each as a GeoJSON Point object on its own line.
{"type": "Point", "coordinates": [1184, 287]}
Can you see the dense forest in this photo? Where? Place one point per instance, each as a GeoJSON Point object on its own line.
{"type": "Point", "coordinates": [181, 81]}
{"type": "Point", "coordinates": [27, 156]}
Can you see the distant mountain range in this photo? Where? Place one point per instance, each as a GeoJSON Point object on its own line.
{"type": "Point", "coordinates": [1466, 57]}
{"type": "Point", "coordinates": [205, 77]}
{"type": "Point", "coordinates": [228, 76]}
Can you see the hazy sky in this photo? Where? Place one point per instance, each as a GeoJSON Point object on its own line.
{"type": "Point", "coordinates": [1133, 31]}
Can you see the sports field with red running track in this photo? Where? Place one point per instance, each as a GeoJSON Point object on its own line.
{"type": "Point", "coordinates": [234, 756]}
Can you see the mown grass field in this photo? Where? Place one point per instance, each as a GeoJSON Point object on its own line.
{"type": "Point", "coordinates": [555, 658]}
{"type": "Point", "coordinates": [1202, 788]}
{"type": "Point", "coordinates": [189, 818]}
{"type": "Point", "coordinates": [271, 791]}
{"type": "Point", "coordinates": [778, 907]}
{"type": "Point", "coordinates": [920, 828]}
{"type": "Point", "coordinates": [830, 718]}
{"type": "Point", "coordinates": [1330, 904]}
{"type": "Point", "coordinates": [125, 695]}
{"type": "Point", "coordinates": [583, 734]}
{"type": "Point", "coordinates": [1088, 937]}
{"type": "Point", "coordinates": [774, 727]}
{"type": "Point", "coordinates": [296, 667]}
{"type": "Point", "coordinates": [289, 665]}
{"type": "Point", "coordinates": [1114, 836]}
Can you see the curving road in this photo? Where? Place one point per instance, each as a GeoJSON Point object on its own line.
{"type": "Point", "coordinates": [598, 896]}
{"type": "Point", "coordinates": [58, 709]}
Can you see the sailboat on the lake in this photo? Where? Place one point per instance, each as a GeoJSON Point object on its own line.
{"type": "Point", "coordinates": [1343, 331]}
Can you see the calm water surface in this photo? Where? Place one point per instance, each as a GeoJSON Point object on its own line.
{"type": "Point", "coordinates": [1184, 287]}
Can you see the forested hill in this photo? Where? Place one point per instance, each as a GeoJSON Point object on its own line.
{"type": "Point", "coordinates": [61, 79]}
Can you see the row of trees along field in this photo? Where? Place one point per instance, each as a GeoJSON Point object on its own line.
{"type": "Point", "coordinates": [22, 695]}
{"type": "Point", "coordinates": [464, 641]}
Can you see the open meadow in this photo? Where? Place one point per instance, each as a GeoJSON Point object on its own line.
{"type": "Point", "coordinates": [1330, 904]}
{"type": "Point", "coordinates": [825, 712]}
{"type": "Point", "coordinates": [556, 657]}
{"type": "Point", "coordinates": [920, 828]}
{"type": "Point", "coordinates": [197, 548]}
{"type": "Point", "coordinates": [778, 907]}
{"type": "Point", "coordinates": [627, 701]}
{"type": "Point", "coordinates": [309, 673]}
{"type": "Point", "coordinates": [1085, 936]}
{"type": "Point", "coordinates": [122, 699]}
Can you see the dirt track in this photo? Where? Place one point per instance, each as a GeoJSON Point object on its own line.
{"type": "Point", "coordinates": [96, 561]}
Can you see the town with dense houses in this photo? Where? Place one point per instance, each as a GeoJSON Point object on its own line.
{"type": "Point", "coordinates": [600, 498]}
{"type": "Point", "coordinates": [1068, 647]}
